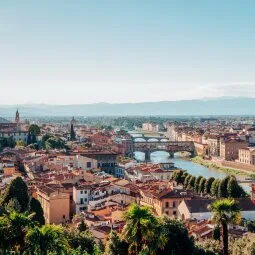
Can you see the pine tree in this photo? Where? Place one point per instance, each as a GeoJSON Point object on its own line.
{"type": "Point", "coordinates": [17, 189]}
{"type": "Point", "coordinates": [35, 207]}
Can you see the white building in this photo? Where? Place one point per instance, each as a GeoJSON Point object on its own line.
{"type": "Point", "coordinates": [81, 196]}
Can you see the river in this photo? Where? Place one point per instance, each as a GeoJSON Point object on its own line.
{"type": "Point", "coordinates": [188, 165]}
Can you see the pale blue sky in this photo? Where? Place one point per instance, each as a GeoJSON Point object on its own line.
{"type": "Point", "coordinates": [70, 52]}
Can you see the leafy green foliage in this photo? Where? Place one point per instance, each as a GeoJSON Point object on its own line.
{"type": "Point", "coordinates": [34, 130]}
{"type": "Point", "coordinates": [115, 246]}
{"type": "Point", "coordinates": [178, 240]}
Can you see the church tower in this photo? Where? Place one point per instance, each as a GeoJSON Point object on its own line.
{"type": "Point", "coordinates": [17, 118]}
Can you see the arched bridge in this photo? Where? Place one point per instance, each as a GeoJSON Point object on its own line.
{"type": "Point", "coordinates": [171, 147]}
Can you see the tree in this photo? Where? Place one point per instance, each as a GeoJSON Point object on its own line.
{"type": "Point", "coordinates": [186, 180]}
{"type": "Point", "coordinates": [140, 230]}
{"type": "Point", "coordinates": [83, 239]}
{"type": "Point", "coordinates": [234, 190]}
{"type": "Point", "coordinates": [54, 143]}
{"type": "Point", "coordinates": [36, 208]}
{"type": "Point", "coordinates": [225, 212]}
{"type": "Point", "coordinates": [178, 240]}
{"type": "Point", "coordinates": [82, 226]}
{"type": "Point", "coordinates": [11, 142]}
{"type": "Point", "coordinates": [191, 183]}
{"type": "Point", "coordinates": [101, 246]}
{"type": "Point", "coordinates": [210, 246]}
{"type": "Point", "coordinates": [214, 187]}
{"type": "Point", "coordinates": [216, 233]}
{"type": "Point", "coordinates": [208, 185]}
{"type": "Point", "coordinates": [197, 182]}
{"type": "Point", "coordinates": [34, 130]}
{"type": "Point", "coordinates": [222, 191]}
{"type": "Point", "coordinates": [201, 186]}
{"type": "Point", "coordinates": [18, 190]}
{"type": "Point", "coordinates": [45, 240]}
{"type": "Point", "coordinates": [178, 176]}
{"type": "Point", "coordinates": [115, 246]}
{"type": "Point", "coordinates": [244, 245]}
{"type": "Point", "coordinates": [20, 143]}
{"type": "Point", "coordinates": [13, 205]}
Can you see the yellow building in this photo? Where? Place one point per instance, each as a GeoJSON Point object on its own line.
{"type": "Point", "coordinates": [55, 204]}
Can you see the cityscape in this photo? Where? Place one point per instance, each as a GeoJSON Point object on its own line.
{"type": "Point", "coordinates": [127, 128]}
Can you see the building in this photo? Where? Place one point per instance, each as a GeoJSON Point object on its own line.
{"type": "Point", "coordinates": [55, 204]}
{"type": "Point", "coordinates": [151, 127]}
{"type": "Point", "coordinates": [163, 200]}
{"type": "Point", "coordinates": [247, 155]}
{"type": "Point", "coordinates": [81, 195]}
{"type": "Point", "coordinates": [229, 149]}
{"type": "Point", "coordinates": [214, 145]}
{"type": "Point", "coordinates": [198, 209]}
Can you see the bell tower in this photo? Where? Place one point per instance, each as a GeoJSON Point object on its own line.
{"type": "Point", "coordinates": [17, 118]}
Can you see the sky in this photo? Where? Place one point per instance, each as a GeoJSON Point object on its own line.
{"type": "Point", "coordinates": [81, 51]}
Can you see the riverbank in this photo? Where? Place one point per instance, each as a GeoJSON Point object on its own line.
{"type": "Point", "coordinates": [227, 170]}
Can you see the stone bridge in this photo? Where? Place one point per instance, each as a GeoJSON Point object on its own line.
{"type": "Point", "coordinates": [171, 147]}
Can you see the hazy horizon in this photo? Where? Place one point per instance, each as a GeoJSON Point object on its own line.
{"type": "Point", "coordinates": [61, 52]}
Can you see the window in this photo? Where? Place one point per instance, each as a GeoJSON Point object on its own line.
{"type": "Point", "coordinates": [88, 164]}
{"type": "Point", "coordinates": [174, 213]}
{"type": "Point", "coordinates": [81, 191]}
{"type": "Point", "coordinates": [85, 199]}
{"type": "Point", "coordinates": [167, 212]}
{"type": "Point", "coordinates": [167, 204]}
{"type": "Point", "coordinates": [85, 192]}
{"type": "Point", "coordinates": [81, 201]}
{"type": "Point", "coordinates": [174, 205]}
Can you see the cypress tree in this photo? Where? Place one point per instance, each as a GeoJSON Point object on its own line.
{"type": "Point", "coordinates": [35, 207]}
{"type": "Point", "coordinates": [17, 189]}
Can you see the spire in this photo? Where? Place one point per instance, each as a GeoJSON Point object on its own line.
{"type": "Point", "coordinates": [17, 119]}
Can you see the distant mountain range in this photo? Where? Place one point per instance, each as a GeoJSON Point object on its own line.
{"type": "Point", "coordinates": [220, 106]}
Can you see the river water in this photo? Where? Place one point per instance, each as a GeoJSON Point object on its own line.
{"type": "Point", "coordinates": [186, 164]}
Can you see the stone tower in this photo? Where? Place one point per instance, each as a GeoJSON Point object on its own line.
{"type": "Point", "coordinates": [17, 118]}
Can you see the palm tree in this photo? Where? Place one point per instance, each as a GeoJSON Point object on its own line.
{"type": "Point", "coordinates": [48, 238]}
{"type": "Point", "coordinates": [225, 211]}
{"type": "Point", "coordinates": [142, 230]}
